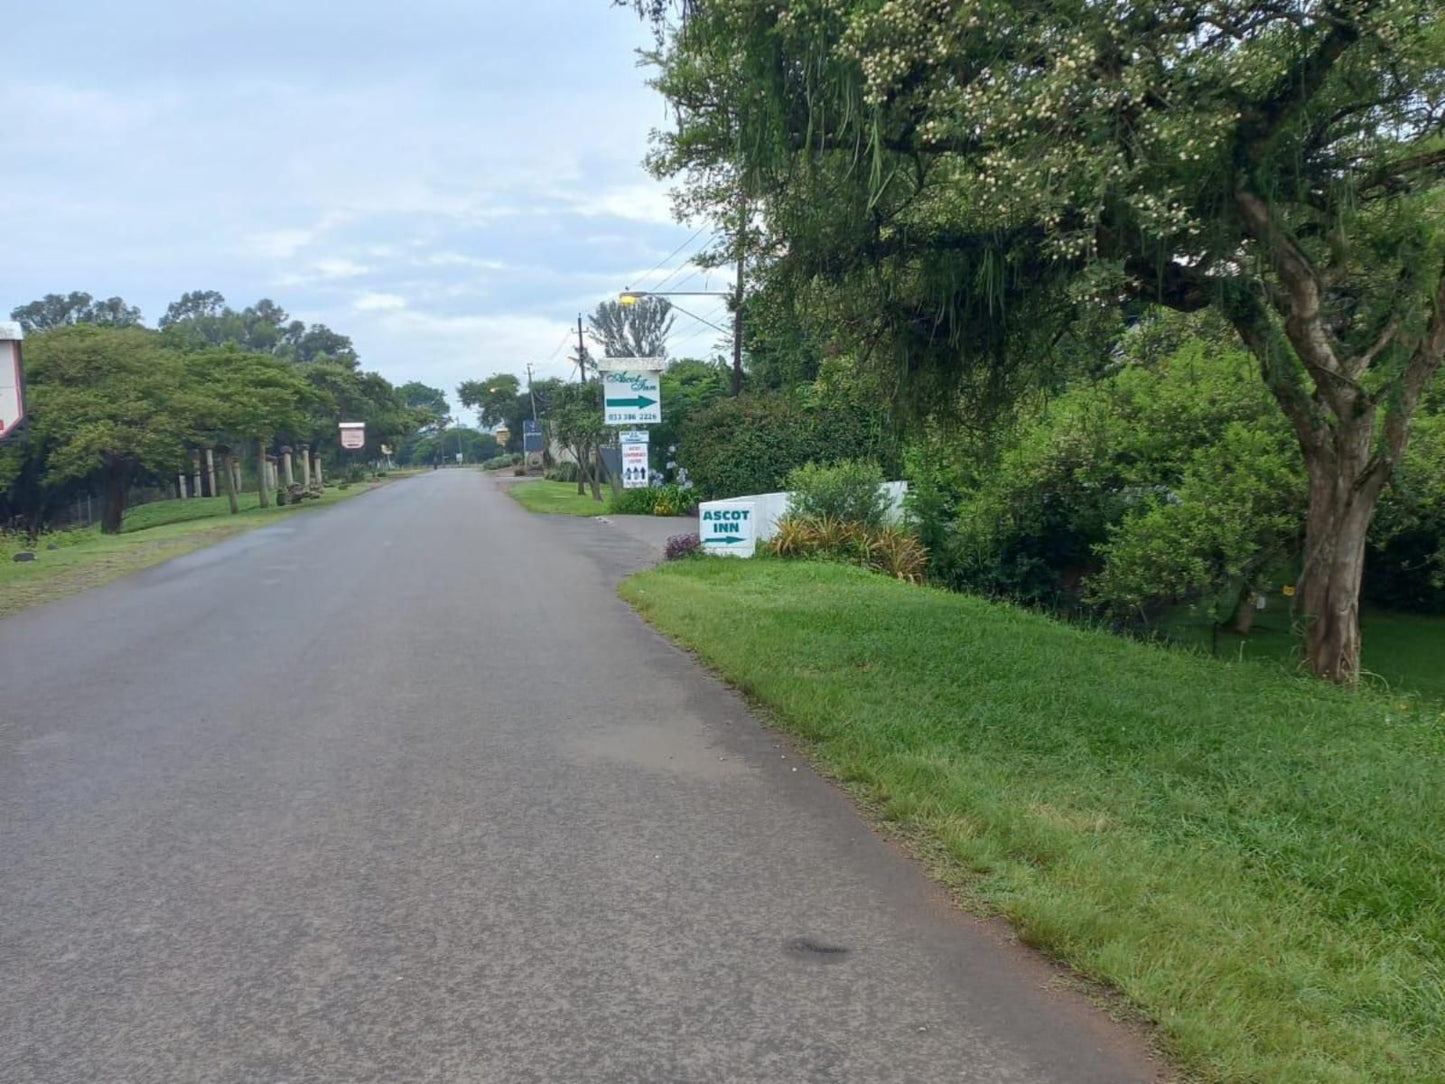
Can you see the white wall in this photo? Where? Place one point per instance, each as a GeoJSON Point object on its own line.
{"type": "Point", "coordinates": [769, 508]}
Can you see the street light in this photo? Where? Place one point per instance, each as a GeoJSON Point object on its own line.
{"type": "Point", "coordinates": [628, 298]}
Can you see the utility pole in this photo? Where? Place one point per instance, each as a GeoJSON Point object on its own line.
{"type": "Point", "coordinates": [530, 393]}
{"type": "Point", "coordinates": [581, 353]}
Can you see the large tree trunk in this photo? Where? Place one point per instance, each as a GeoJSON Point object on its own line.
{"type": "Point", "coordinates": [228, 479]}
{"type": "Point", "coordinates": [112, 507]}
{"type": "Point", "coordinates": [261, 480]}
{"type": "Point", "coordinates": [1345, 484]}
{"type": "Point", "coordinates": [1243, 620]}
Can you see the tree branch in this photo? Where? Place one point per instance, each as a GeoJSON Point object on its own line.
{"type": "Point", "coordinates": [1261, 121]}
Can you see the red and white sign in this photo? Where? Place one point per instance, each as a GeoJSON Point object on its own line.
{"type": "Point", "coordinates": [634, 459]}
{"type": "Point", "coordinates": [12, 380]}
{"type": "Point", "coordinates": [353, 435]}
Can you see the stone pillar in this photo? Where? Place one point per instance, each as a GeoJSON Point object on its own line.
{"type": "Point", "coordinates": [181, 485]}
{"type": "Point", "coordinates": [320, 481]}
{"type": "Point", "coordinates": [211, 472]}
{"type": "Point", "coordinates": [236, 473]}
{"type": "Point", "coordinates": [287, 476]}
{"type": "Point", "coordinates": [270, 482]}
{"type": "Point", "coordinates": [196, 472]}
{"type": "Point", "coordinates": [306, 466]}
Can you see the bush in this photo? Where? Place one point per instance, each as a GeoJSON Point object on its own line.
{"type": "Point", "coordinates": [682, 545]}
{"type": "Point", "coordinates": [499, 462]}
{"type": "Point", "coordinates": [355, 472]}
{"type": "Point", "coordinates": [562, 472]}
{"type": "Point", "coordinates": [668, 500]}
{"type": "Point", "coordinates": [673, 500]}
{"type": "Point", "coordinates": [851, 491]}
{"type": "Point", "coordinates": [748, 444]}
{"type": "Point", "coordinates": [633, 502]}
{"type": "Point", "coordinates": [892, 551]}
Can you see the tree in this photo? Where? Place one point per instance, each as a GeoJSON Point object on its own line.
{"type": "Point", "coordinates": [193, 305]}
{"type": "Point", "coordinates": [430, 401]}
{"type": "Point", "coordinates": [967, 178]}
{"type": "Point", "coordinates": [638, 330]}
{"type": "Point", "coordinates": [576, 422]}
{"type": "Point", "coordinates": [110, 402]}
{"type": "Point", "coordinates": [63, 310]}
{"type": "Point", "coordinates": [498, 400]}
{"type": "Point", "coordinates": [253, 398]}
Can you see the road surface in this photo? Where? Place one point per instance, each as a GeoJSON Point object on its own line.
{"type": "Point", "coordinates": [400, 791]}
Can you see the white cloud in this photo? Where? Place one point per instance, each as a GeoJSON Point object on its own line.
{"type": "Point", "coordinates": [378, 302]}
{"type": "Point", "coordinates": [340, 268]}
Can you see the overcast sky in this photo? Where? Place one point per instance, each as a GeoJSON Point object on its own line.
{"type": "Point", "coordinates": [446, 181]}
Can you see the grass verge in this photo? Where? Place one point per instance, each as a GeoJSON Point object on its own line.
{"type": "Point", "coordinates": [1254, 860]}
{"type": "Point", "coordinates": [556, 499]}
{"type": "Point", "coordinates": [150, 534]}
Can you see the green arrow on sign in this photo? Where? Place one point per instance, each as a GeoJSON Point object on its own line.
{"type": "Point", "coordinates": [725, 540]}
{"type": "Point", "coordinates": [639, 403]}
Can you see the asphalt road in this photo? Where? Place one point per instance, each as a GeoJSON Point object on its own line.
{"type": "Point", "coordinates": [400, 791]}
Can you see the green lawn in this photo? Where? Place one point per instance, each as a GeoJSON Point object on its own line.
{"type": "Point", "coordinates": [150, 534]}
{"type": "Point", "coordinates": [1402, 652]}
{"type": "Point", "coordinates": [1255, 860]}
{"type": "Point", "coordinates": [556, 499]}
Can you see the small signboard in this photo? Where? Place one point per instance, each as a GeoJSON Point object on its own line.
{"type": "Point", "coordinates": [632, 397]}
{"type": "Point", "coordinates": [634, 459]}
{"type": "Point", "coordinates": [532, 440]}
{"type": "Point", "coordinates": [633, 365]}
{"type": "Point", "coordinates": [12, 379]}
{"type": "Point", "coordinates": [728, 528]}
{"type": "Point", "coordinates": [353, 435]}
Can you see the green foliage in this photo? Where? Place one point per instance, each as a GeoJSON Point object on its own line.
{"type": "Point", "coordinates": [562, 472]}
{"type": "Point", "coordinates": [668, 500]}
{"type": "Point", "coordinates": [442, 447]}
{"type": "Point", "coordinates": [62, 310]}
{"type": "Point", "coordinates": [893, 551]}
{"type": "Point", "coordinates": [849, 490]}
{"type": "Point", "coordinates": [201, 319]}
{"type": "Point", "coordinates": [1235, 513]}
{"type": "Point", "coordinates": [110, 399]}
{"type": "Point", "coordinates": [749, 444]}
{"type": "Point", "coordinates": [688, 386]}
{"type": "Point", "coordinates": [497, 462]}
{"type": "Point", "coordinates": [1029, 520]}
{"type": "Point", "coordinates": [1405, 569]}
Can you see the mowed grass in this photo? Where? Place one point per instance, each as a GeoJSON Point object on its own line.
{"type": "Point", "coordinates": [1253, 859]}
{"type": "Point", "coordinates": [556, 499]}
{"type": "Point", "coordinates": [1403, 653]}
{"type": "Point", "coordinates": [150, 534]}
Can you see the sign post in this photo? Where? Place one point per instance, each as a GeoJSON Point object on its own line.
{"type": "Point", "coordinates": [631, 397]}
{"type": "Point", "coordinates": [12, 379]}
{"type": "Point", "coordinates": [635, 474]}
{"type": "Point", "coordinates": [353, 435]}
{"type": "Point", "coordinates": [728, 528]}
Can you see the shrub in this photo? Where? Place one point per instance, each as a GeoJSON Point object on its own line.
{"type": "Point", "coordinates": [633, 502]}
{"type": "Point", "coordinates": [562, 472]}
{"type": "Point", "coordinates": [851, 491]}
{"type": "Point", "coordinates": [673, 500]}
{"type": "Point", "coordinates": [892, 551]}
{"type": "Point", "coordinates": [748, 444]}
{"type": "Point", "coordinates": [499, 462]}
{"type": "Point", "coordinates": [682, 545]}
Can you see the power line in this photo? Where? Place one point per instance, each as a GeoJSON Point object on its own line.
{"type": "Point", "coordinates": [675, 251]}
{"type": "Point", "coordinates": [684, 266]}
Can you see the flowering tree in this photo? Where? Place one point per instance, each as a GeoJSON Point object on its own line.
{"type": "Point", "coordinates": [971, 177]}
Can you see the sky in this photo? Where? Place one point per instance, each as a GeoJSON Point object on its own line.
{"type": "Point", "coordinates": [449, 182]}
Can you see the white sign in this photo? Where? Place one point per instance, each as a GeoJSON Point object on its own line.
{"type": "Point", "coordinates": [631, 397]}
{"type": "Point", "coordinates": [353, 435]}
{"type": "Point", "coordinates": [12, 383]}
{"type": "Point", "coordinates": [728, 528]}
{"type": "Point", "coordinates": [459, 457]}
{"type": "Point", "coordinates": [619, 365]}
{"type": "Point", "coordinates": [634, 459]}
